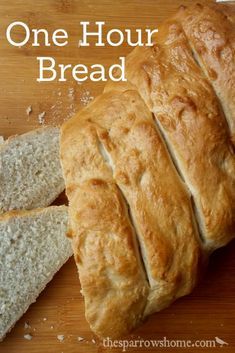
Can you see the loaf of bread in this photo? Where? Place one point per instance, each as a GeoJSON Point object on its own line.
{"type": "Point", "coordinates": [33, 248]}
{"type": "Point", "coordinates": [150, 196]}
{"type": "Point", "coordinates": [30, 171]}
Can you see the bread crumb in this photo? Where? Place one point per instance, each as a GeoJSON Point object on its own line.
{"type": "Point", "coordinates": [44, 319]}
{"type": "Point", "coordinates": [41, 119]}
{"type": "Point", "coordinates": [80, 339]}
{"type": "Point", "coordinates": [29, 110]}
{"type": "Point", "coordinates": [52, 327]}
{"type": "Point", "coordinates": [86, 98]}
{"type": "Point", "coordinates": [71, 92]}
{"type": "Point", "coordinates": [26, 325]}
{"type": "Point", "coordinates": [93, 341]}
{"type": "Point", "coordinates": [28, 337]}
{"type": "Point", "coordinates": [60, 338]}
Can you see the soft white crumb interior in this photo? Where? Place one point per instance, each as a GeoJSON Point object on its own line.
{"type": "Point", "coordinates": [32, 250]}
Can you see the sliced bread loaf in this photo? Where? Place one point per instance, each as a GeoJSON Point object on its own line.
{"type": "Point", "coordinates": [30, 171]}
{"type": "Point", "coordinates": [33, 248]}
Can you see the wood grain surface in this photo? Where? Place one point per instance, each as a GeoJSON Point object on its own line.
{"type": "Point", "coordinates": [209, 311]}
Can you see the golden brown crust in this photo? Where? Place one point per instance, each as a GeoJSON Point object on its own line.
{"type": "Point", "coordinates": [111, 274]}
{"type": "Point", "coordinates": [27, 213]}
{"type": "Point", "coordinates": [158, 201]}
{"type": "Point", "coordinates": [113, 284]}
{"type": "Point", "coordinates": [189, 115]}
{"type": "Point", "coordinates": [211, 35]}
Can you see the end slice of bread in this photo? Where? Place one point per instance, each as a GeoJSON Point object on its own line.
{"type": "Point", "coordinates": [30, 170]}
{"type": "Point", "coordinates": [33, 247]}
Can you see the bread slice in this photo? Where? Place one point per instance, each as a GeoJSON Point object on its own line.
{"type": "Point", "coordinates": [33, 247]}
{"type": "Point", "coordinates": [30, 171]}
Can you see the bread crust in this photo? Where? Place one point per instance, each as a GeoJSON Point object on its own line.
{"type": "Point", "coordinates": [175, 90]}
{"type": "Point", "coordinates": [113, 281]}
{"type": "Point", "coordinates": [211, 34]}
{"type": "Point", "coordinates": [29, 213]}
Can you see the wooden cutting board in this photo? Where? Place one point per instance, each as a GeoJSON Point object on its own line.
{"type": "Point", "coordinates": [209, 311]}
